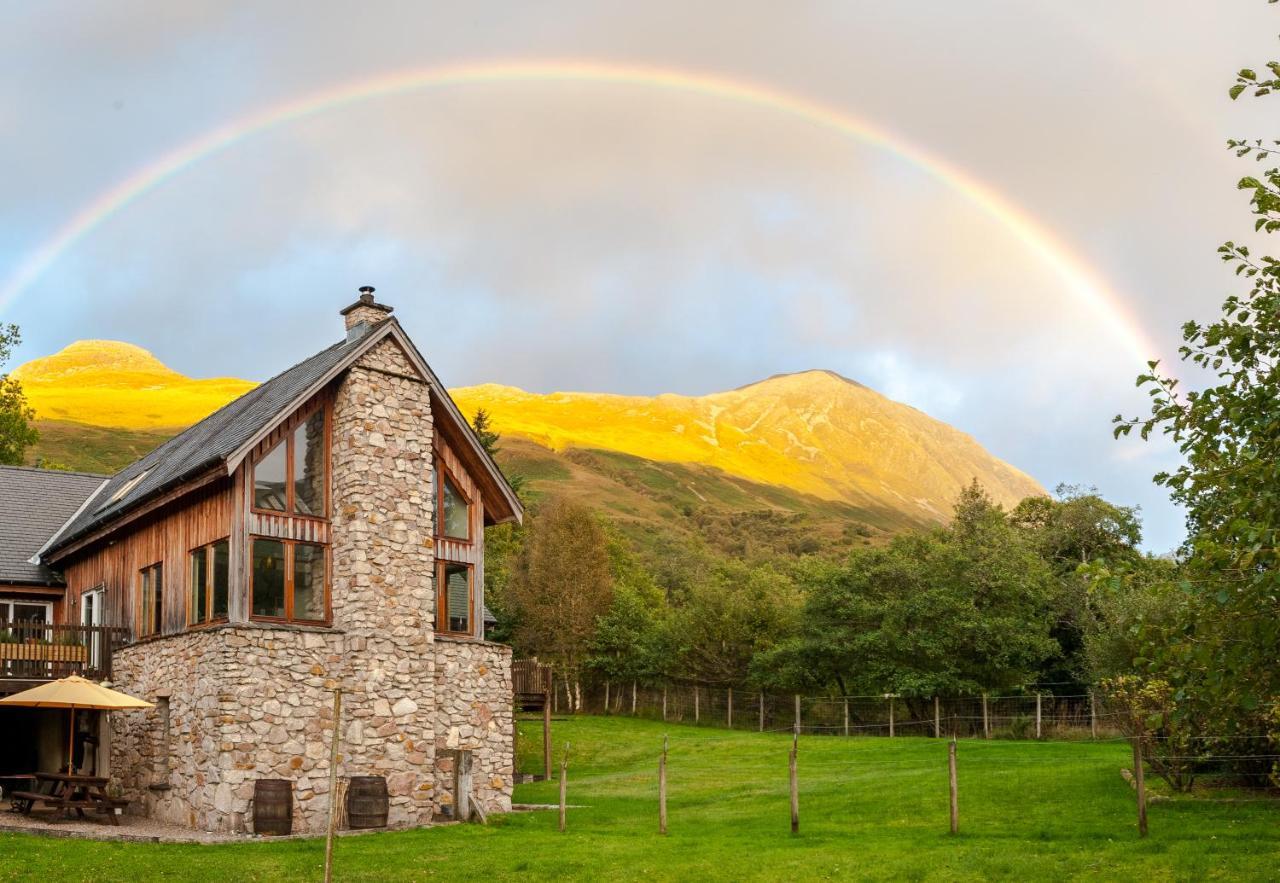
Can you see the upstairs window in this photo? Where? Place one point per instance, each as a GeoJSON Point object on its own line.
{"type": "Point", "coordinates": [454, 516]}
{"type": "Point", "coordinates": [151, 600]}
{"type": "Point", "coordinates": [210, 579]}
{"type": "Point", "coordinates": [292, 476]}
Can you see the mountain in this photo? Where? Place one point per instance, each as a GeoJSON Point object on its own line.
{"type": "Point", "coordinates": [107, 383]}
{"type": "Point", "coordinates": [814, 432]}
{"type": "Point", "coordinates": [791, 463]}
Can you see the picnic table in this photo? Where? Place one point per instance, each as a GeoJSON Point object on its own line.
{"type": "Point", "coordinates": [65, 792]}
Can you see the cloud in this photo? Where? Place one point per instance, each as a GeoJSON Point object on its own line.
{"type": "Point", "coordinates": [592, 236]}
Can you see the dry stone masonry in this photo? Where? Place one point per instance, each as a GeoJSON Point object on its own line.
{"type": "Point", "coordinates": [254, 700]}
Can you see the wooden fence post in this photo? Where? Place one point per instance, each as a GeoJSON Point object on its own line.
{"type": "Point", "coordinates": [846, 716]}
{"type": "Point", "coordinates": [730, 722]}
{"type": "Point", "coordinates": [889, 696]}
{"type": "Point", "coordinates": [333, 784]}
{"type": "Point", "coordinates": [795, 784]}
{"type": "Point", "coordinates": [564, 785]}
{"type": "Point", "coordinates": [606, 697]}
{"type": "Point", "coordinates": [951, 774]}
{"type": "Point", "coordinates": [662, 788]}
{"type": "Point", "coordinates": [546, 734]}
{"type": "Point", "coordinates": [462, 784]}
{"type": "Point", "coordinates": [697, 708]}
{"type": "Point", "coordinates": [762, 711]}
{"type": "Point", "coordinates": [1037, 714]}
{"type": "Point", "coordinates": [1093, 715]}
{"type": "Point", "coordinates": [797, 724]}
{"type": "Point", "coordinates": [664, 701]}
{"type": "Point", "coordinates": [937, 718]}
{"type": "Point", "coordinates": [1139, 779]}
{"type": "Point", "coordinates": [633, 698]}
{"type": "Point", "coordinates": [986, 721]}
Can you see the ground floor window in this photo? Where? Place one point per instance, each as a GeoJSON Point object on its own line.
{"type": "Point", "coordinates": [289, 581]}
{"type": "Point", "coordinates": [454, 598]}
{"type": "Point", "coordinates": [210, 581]}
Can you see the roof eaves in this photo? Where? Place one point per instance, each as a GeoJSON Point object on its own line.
{"type": "Point", "coordinates": [49, 543]}
{"type": "Point", "coordinates": [504, 487]}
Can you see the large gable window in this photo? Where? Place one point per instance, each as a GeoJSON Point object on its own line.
{"type": "Point", "coordinates": [454, 516]}
{"type": "Point", "coordinates": [292, 476]}
{"type": "Point", "coordinates": [289, 581]}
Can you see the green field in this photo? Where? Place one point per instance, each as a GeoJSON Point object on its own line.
{"type": "Point", "coordinates": [870, 809]}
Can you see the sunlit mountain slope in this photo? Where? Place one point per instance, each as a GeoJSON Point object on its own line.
{"type": "Point", "coordinates": [114, 384]}
{"type": "Point", "coordinates": [814, 432]}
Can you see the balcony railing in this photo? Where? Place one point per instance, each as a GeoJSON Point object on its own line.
{"type": "Point", "coordinates": [36, 651]}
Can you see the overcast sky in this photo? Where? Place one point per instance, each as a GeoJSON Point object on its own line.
{"type": "Point", "coordinates": [631, 238]}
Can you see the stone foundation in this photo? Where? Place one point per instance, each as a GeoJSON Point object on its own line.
{"type": "Point", "coordinates": [475, 712]}
{"type": "Point", "coordinates": [249, 702]}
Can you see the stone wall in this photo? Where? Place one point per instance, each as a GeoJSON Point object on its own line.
{"type": "Point", "coordinates": [252, 701]}
{"type": "Point", "coordinates": [475, 711]}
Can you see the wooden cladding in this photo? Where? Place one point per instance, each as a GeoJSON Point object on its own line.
{"type": "Point", "coordinates": [166, 537]}
{"type": "Point", "coordinates": [458, 559]}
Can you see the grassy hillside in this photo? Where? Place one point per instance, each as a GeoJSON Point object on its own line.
{"type": "Point", "coordinates": [93, 448]}
{"type": "Point", "coordinates": [653, 503]}
{"type": "Point", "coordinates": [870, 809]}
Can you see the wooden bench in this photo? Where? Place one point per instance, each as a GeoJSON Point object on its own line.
{"type": "Point", "coordinates": [70, 792]}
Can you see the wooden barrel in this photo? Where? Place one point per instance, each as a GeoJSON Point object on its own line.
{"type": "Point", "coordinates": [272, 806]}
{"type": "Point", "coordinates": [367, 802]}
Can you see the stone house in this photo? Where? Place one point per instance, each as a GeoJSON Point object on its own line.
{"type": "Point", "coordinates": [326, 529]}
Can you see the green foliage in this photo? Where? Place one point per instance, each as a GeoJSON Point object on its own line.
{"type": "Point", "coordinates": [560, 585]}
{"type": "Point", "coordinates": [485, 433]}
{"type": "Point", "coordinates": [16, 430]}
{"type": "Point", "coordinates": [723, 622]}
{"type": "Point", "coordinates": [951, 612]}
{"type": "Point", "coordinates": [1221, 658]}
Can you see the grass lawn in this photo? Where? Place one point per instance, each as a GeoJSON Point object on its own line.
{"type": "Point", "coordinates": [869, 809]}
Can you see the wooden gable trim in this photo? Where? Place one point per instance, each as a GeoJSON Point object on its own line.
{"type": "Point", "coordinates": [502, 503]}
{"type": "Point", "coordinates": [204, 479]}
{"type": "Point", "coordinates": [236, 457]}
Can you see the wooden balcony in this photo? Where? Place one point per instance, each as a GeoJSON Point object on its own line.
{"type": "Point", "coordinates": [32, 653]}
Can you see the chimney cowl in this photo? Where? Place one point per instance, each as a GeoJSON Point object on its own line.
{"type": "Point", "coordinates": [365, 311]}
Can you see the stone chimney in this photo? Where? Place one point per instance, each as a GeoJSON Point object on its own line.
{"type": "Point", "coordinates": [365, 311]}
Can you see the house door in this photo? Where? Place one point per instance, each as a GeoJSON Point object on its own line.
{"type": "Point", "coordinates": [91, 614]}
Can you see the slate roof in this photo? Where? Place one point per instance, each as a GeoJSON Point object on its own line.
{"type": "Point", "coordinates": [205, 444]}
{"type": "Point", "coordinates": [34, 503]}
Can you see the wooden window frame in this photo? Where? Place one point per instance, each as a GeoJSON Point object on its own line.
{"type": "Point", "coordinates": [443, 472]}
{"type": "Point", "coordinates": [289, 489]}
{"type": "Point", "coordinates": [145, 588]}
{"type": "Point", "coordinates": [442, 599]}
{"type": "Point", "coordinates": [288, 617]}
{"type": "Point", "coordinates": [210, 619]}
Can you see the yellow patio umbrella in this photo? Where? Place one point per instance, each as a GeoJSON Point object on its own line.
{"type": "Point", "coordinates": [74, 692]}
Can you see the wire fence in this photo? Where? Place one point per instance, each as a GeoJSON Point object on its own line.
{"type": "Point", "coordinates": [1034, 716]}
{"type": "Point", "coordinates": [1088, 787]}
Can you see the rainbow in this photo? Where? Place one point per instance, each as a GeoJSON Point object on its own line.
{"type": "Point", "coordinates": [1080, 280]}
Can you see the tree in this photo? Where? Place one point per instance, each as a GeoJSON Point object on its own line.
{"type": "Point", "coordinates": [944, 612]}
{"type": "Point", "coordinates": [1229, 435]}
{"type": "Point", "coordinates": [485, 432]}
{"type": "Point", "coordinates": [560, 586]}
{"type": "Point", "coordinates": [723, 622]}
{"type": "Point", "coordinates": [16, 432]}
{"type": "Point", "coordinates": [1069, 531]}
